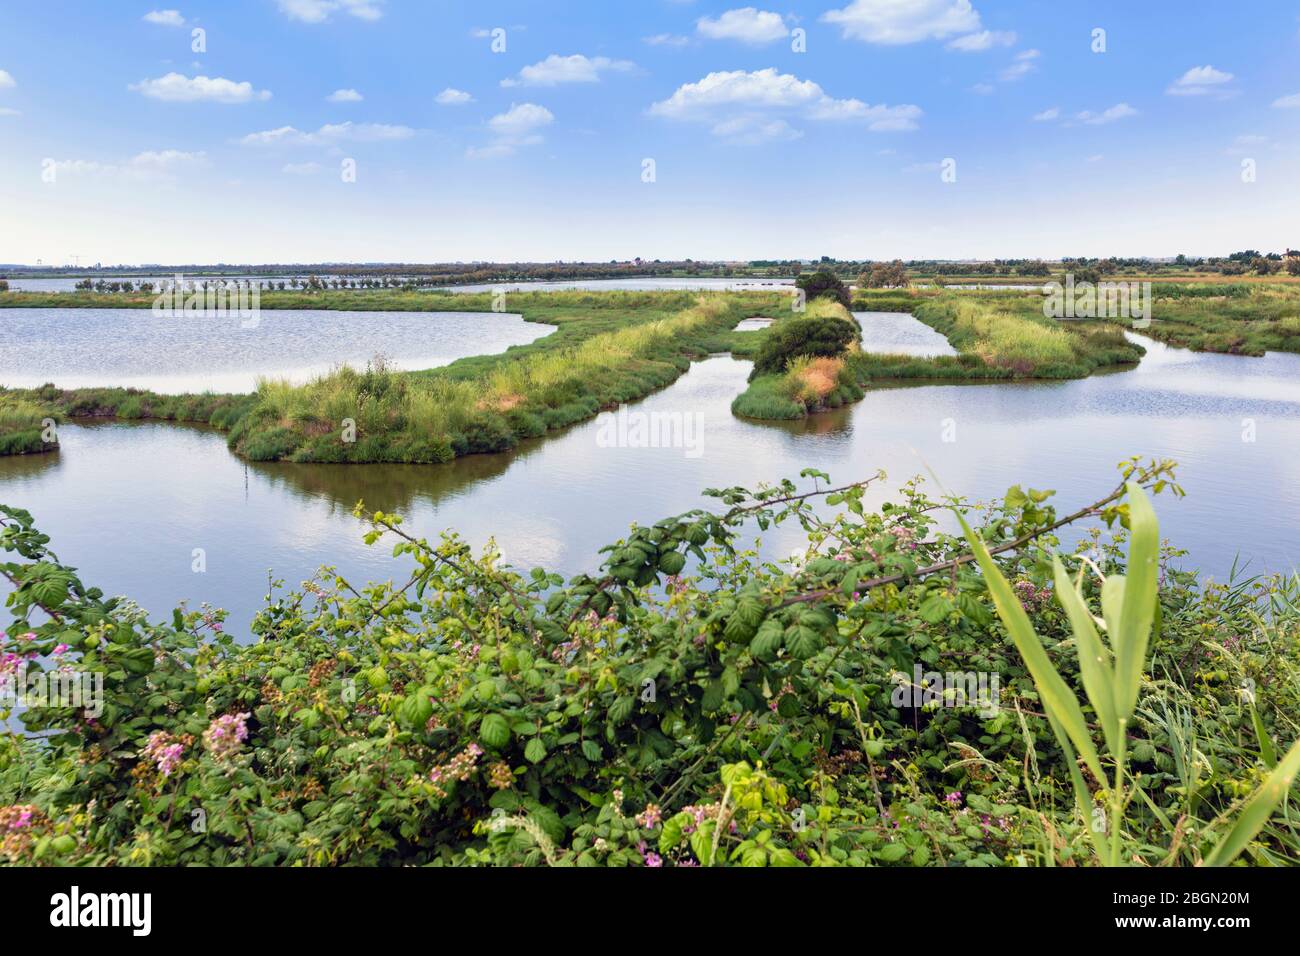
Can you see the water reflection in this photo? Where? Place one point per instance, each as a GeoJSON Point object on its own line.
{"type": "Point", "coordinates": [129, 503]}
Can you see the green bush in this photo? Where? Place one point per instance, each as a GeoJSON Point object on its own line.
{"type": "Point", "coordinates": [808, 336]}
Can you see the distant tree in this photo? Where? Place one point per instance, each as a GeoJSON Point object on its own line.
{"type": "Point", "coordinates": [884, 275]}
{"type": "Point", "coordinates": [1293, 265]}
{"type": "Point", "coordinates": [4, 285]}
{"type": "Point", "coordinates": [824, 283]}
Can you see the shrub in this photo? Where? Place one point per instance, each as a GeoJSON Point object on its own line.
{"type": "Point", "coordinates": [808, 336]}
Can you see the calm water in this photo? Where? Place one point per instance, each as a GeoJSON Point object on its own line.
{"type": "Point", "coordinates": [91, 347]}
{"type": "Point", "coordinates": [128, 503]}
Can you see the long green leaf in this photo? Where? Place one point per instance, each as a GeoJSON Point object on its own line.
{"type": "Point", "coordinates": [1094, 659]}
{"type": "Point", "coordinates": [1257, 810]}
{"type": "Point", "coordinates": [1266, 751]}
{"type": "Point", "coordinates": [1139, 608]}
{"type": "Point", "coordinates": [1057, 696]}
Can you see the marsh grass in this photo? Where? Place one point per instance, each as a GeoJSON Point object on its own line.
{"type": "Point", "coordinates": [22, 427]}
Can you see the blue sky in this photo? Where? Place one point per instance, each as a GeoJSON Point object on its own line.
{"type": "Point", "coordinates": [794, 129]}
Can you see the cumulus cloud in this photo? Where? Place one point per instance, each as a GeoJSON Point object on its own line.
{"type": "Point", "coordinates": [746, 24]}
{"type": "Point", "coordinates": [1287, 102]}
{"type": "Point", "coordinates": [517, 126]}
{"type": "Point", "coordinates": [345, 96]}
{"type": "Point", "coordinates": [1117, 112]}
{"type": "Point", "coordinates": [1198, 81]}
{"type": "Point", "coordinates": [453, 97]}
{"type": "Point", "coordinates": [165, 18]}
{"type": "Point", "coordinates": [7, 82]}
{"type": "Point", "coordinates": [6, 111]}
{"type": "Point", "coordinates": [318, 11]}
{"type": "Point", "coordinates": [724, 99]}
{"type": "Point", "coordinates": [556, 70]}
{"type": "Point", "coordinates": [1047, 115]}
{"type": "Point", "coordinates": [178, 88]}
{"type": "Point", "coordinates": [329, 135]}
{"type": "Point", "coordinates": [984, 40]}
{"type": "Point", "coordinates": [896, 22]}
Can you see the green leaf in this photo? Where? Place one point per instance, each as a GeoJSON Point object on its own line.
{"type": "Point", "coordinates": [768, 640]}
{"type": "Point", "coordinates": [1056, 694]}
{"type": "Point", "coordinates": [1094, 659]}
{"type": "Point", "coordinates": [1139, 607]}
{"type": "Point", "coordinates": [1266, 751]}
{"type": "Point", "coordinates": [535, 751]}
{"type": "Point", "coordinates": [494, 731]}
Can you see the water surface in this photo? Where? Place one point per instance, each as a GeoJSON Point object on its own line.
{"type": "Point", "coordinates": [76, 348]}
{"type": "Point", "coordinates": [129, 503]}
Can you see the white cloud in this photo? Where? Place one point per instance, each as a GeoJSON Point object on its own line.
{"type": "Point", "coordinates": [6, 111]}
{"type": "Point", "coordinates": [329, 134]}
{"type": "Point", "coordinates": [1117, 112]}
{"type": "Point", "coordinates": [149, 166]}
{"type": "Point", "coordinates": [726, 97]}
{"type": "Point", "coordinates": [7, 82]}
{"type": "Point", "coordinates": [517, 126]}
{"type": "Point", "coordinates": [177, 88]}
{"type": "Point", "coordinates": [165, 18]}
{"type": "Point", "coordinates": [894, 22]}
{"type": "Point", "coordinates": [345, 96]}
{"type": "Point", "coordinates": [762, 88]}
{"type": "Point", "coordinates": [983, 89]}
{"type": "Point", "coordinates": [751, 130]}
{"type": "Point", "coordinates": [301, 169]}
{"type": "Point", "coordinates": [1198, 81]}
{"type": "Point", "coordinates": [666, 39]}
{"type": "Point", "coordinates": [521, 119]}
{"type": "Point", "coordinates": [984, 40]}
{"type": "Point", "coordinates": [318, 11]}
{"type": "Point", "coordinates": [555, 70]}
{"type": "Point", "coordinates": [1047, 115]}
{"type": "Point", "coordinates": [453, 97]}
{"type": "Point", "coordinates": [1287, 102]}
{"type": "Point", "coordinates": [1022, 66]}
{"type": "Point", "coordinates": [746, 24]}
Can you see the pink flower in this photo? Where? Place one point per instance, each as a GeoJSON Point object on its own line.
{"type": "Point", "coordinates": [60, 649]}
{"type": "Point", "coordinates": [225, 735]}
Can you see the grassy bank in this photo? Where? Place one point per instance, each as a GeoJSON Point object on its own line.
{"type": "Point", "coordinates": [1237, 318]}
{"type": "Point", "coordinates": [23, 427]}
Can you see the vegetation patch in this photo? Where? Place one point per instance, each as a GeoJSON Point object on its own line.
{"type": "Point", "coordinates": [25, 427]}
{"type": "Point", "coordinates": [895, 696]}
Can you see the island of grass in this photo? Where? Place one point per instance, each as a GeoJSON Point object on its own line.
{"type": "Point", "coordinates": [25, 427]}
{"type": "Point", "coordinates": [996, 338]}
